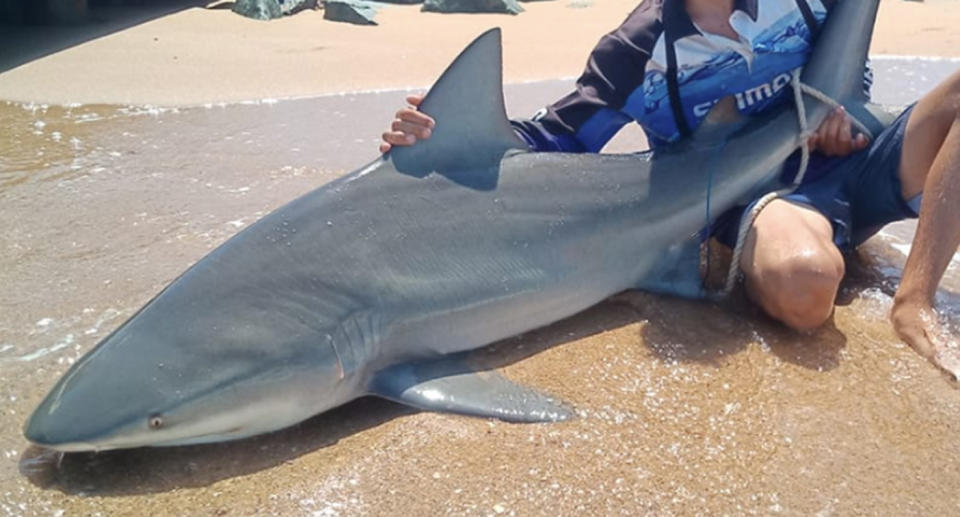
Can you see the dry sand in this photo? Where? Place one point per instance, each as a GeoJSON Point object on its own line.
{"type": "Point", "coordinates": [200, 55]}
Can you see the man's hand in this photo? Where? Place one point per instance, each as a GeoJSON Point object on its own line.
{"type": "Point", "coordinates": [835, 136]}
{"type": "Point", "coordinates": [408, 126]}
{"type": "Point", "coordinates": [917, 326]}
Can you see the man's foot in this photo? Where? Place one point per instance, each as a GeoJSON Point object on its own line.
{"type": "Point", "coordinates": [917, 325]}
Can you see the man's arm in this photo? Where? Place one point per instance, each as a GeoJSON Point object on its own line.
{"type": "Point", "coordinates": [587, 118]}
{"type": "Point", "coordinates": [930, 164]}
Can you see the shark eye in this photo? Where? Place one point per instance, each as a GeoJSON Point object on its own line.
{"type": "Point", "coordinates": [155, 422]}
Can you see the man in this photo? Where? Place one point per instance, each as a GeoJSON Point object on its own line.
{"type": "Point", "coordinates": [672, 60]}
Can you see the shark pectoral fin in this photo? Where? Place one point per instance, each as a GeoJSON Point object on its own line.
{"type": "Point", "coordinates": [447, 386]}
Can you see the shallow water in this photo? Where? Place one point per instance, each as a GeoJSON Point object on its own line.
{"type": "Point", "coordinates": [684, 407]}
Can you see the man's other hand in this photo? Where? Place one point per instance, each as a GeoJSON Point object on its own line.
{"type": "Point", "coordinates": [835, 136]}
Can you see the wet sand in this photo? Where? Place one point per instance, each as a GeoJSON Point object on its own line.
{"type": "Point", "coordinates": [683, 407]}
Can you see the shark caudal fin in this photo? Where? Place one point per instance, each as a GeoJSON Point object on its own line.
{"type": "Point", "coordinates": [472, 130]}
{"type": "Point", "coordinates": [838, 74]}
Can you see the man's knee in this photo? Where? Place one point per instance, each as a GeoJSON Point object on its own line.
{"type": "Point", "coordinates": [791, 265]}
{"type": "Point", "coordinates": [800, 291]}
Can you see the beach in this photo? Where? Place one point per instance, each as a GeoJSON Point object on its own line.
{"type": "Point", "coordinates": [126, 157]}
{"type": "Point", "coordinates": [196, 56]}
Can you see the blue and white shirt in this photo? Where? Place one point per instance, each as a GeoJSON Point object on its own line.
{"type": "Point", "coordinates": [626, 75]}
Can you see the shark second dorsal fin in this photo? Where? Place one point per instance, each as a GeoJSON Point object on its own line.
{"type": "Point", "coordinates": [722, 120]}
{"type": "Point", "coordinates": [472, 130]}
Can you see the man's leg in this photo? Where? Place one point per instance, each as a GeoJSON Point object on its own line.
{"type": "Point", "coordinates": [791, 265]}
{"type": "Point", "coordinates": [930, 162]}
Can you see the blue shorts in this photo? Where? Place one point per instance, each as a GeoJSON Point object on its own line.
{"type": "Point", "coordinates": [859, 194]}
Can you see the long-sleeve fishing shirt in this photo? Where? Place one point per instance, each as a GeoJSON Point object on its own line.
{"type": "Point", "coordinates": [661, 70]}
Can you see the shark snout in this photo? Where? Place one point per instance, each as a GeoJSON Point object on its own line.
{"type": "Point", "coordinates": [36, 431]}
{"type": "Point", "coordinates": [48, 430]}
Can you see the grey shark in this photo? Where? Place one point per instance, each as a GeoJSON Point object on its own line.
{"type": "Point", "coordinates": [377, 283]}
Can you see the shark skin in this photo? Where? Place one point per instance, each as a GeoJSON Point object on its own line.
{"type": "Point", "coordinates": [379, 282]}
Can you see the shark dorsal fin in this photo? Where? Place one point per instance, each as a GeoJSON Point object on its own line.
{"type": "Point", "coordinates": [472, 130]}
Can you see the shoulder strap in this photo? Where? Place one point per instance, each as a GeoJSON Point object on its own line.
{"type": "Point", "coordinates": [808, 17]}
{"type": "Point", "coordinates": [673, 88]}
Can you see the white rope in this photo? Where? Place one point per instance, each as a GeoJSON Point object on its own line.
{"type": "Point", "coordinates": [746, 221]}
{"type": "Point", "coordinates": [802, 122]}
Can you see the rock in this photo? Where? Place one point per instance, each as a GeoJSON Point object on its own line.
{"type": "Point", "coordinates": [350, 11]}
{"type": "Point", "coordinates": [295, 6]}
{"type": "Point", "coordinates": [258, 9]}
{"type": "Point", "coordinates": [406, 2]}
{"type": "Point", "coordinates": [472, 6]}
{"type": "Point", "coordinates": [270, 9]}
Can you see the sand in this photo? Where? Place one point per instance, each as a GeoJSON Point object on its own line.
{"type": "Point", "coordinates": [197, 55]}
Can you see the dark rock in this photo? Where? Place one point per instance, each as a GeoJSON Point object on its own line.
{"type": "Point", "coordinates": [406, 2]}
{"type": "Point", "coordinates": [258, 9]}
{"type": "Point", "coordinates": [295, 6]}
{"type": "Point", "coordinates": [472, 6]}
{"type": "Point", "coordinates": [350, 11]}
{"type": "Point", "coordinates": [270, 9]}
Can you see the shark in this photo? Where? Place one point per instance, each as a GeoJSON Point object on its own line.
{"type": "Point", "coordinates": [380, 282]}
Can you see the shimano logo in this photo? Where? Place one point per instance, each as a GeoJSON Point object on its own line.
{"type": "Point", "coordinates": [749, 97]}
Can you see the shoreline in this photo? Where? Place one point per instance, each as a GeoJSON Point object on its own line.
{"type": "Point", "coordinates": [197, 56]}
{"type": "Point", "coordinates": [386, 90]}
